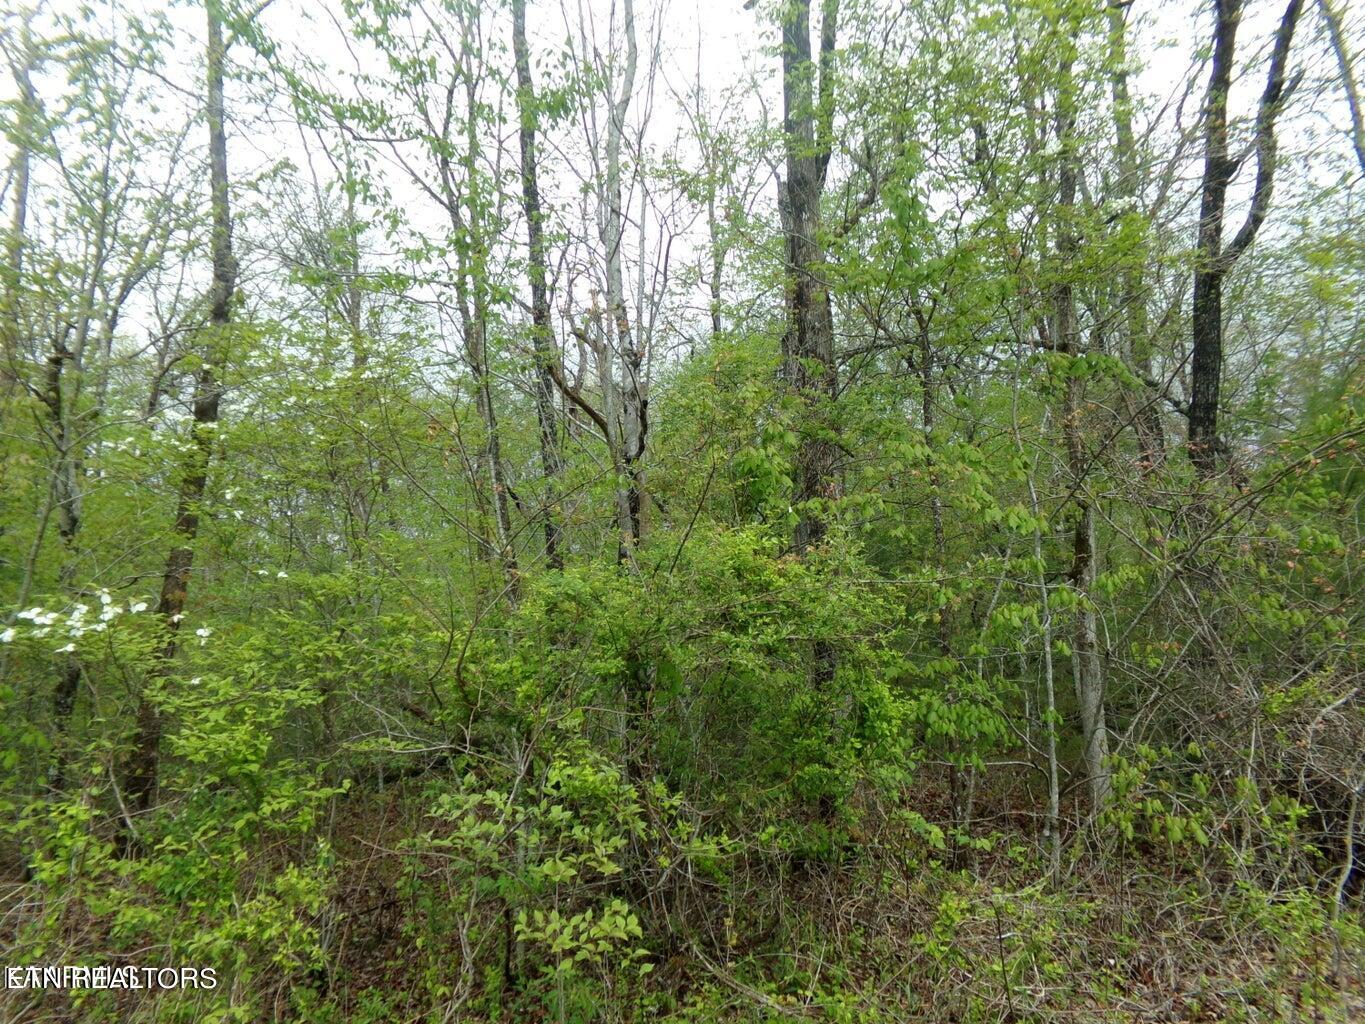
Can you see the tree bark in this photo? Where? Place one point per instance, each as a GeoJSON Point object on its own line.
{"type": "Point", "coordinates": [12, 273]}
{"type": "Point", "coordinates": [66, 495]}
{"type": "Point", "coordinates": [717, 263]}
{"type": "Point", "coordinates": [1052, 827]}
{"type": "Point", "coordinates": [1212, 262]}
{"type": "Point", "coordinates": [634, 401]}
{"type": "Point", "coordinates": [1337, 35]}
{"type": "Point", "coordinates": [144, 764]}
{"type": "Point", "coordinates": [808, 344]}
{"type": "Point", "coordinates": [1086, 666]}
{"type": "Point", "coordinates": [542, 334]}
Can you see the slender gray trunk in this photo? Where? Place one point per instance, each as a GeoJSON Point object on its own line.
{"type": "Point", "coordinates": [1054, 802]}
{"type": "Point", "coordinates": [629, 352]}
{"type": "Point", "coordinates": [471, 285]}
{"type": "Point", "coordinates": [1348, 79]}
{"type": "Point", "coordinates": [12, 273]}
{"type": "Point", "coordinates": [542, 334]}
{"type": "Point", "coordinates": [717, 263]}
{"type": "Point", "coordinates": [144, 762]}
{"type": "Point", "coordinates": [1086, 664]}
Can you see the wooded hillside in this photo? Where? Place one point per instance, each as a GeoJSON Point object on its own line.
{"type": "Point", "coordinates": [625, 511]}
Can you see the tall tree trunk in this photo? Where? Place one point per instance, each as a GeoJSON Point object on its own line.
{"type": "Point", "coordinates": [1337, 35]}
{"type": "Point", "coordinates": [1052, 826]}
{"type": "Point", "coordinates": [66, 494]}
{"type": "Point", "coordinates": [144, 763]}
{"type": "Point", "coordinates": [1146, 411]}
{"type": "Point", "coordinates": [1212, 262]}
{"type": "Point", "coordinates": [627, 343]}
{"type": "Point", "coordinates": [542, 334]}
{"type": "Point", "coordinates": [475, 265]}
{"type": "Point", "coordinates": [61, 414]}
{"type": "Point", "coordinates": [717, 261]}
{"type": "Point", "coordinates": [1206, 368]}
{"type": "Point", "coordinates": [808, 344]}
{"type": "Point", "coordinates": [1087, 667]}
{"type": "Point", "coordinates": [11, 286]}
{"type": "Point", "coordinates": [12, 272]}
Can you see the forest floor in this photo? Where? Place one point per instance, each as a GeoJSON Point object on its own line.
{"type": "Point", "coordinates": [876, 938]}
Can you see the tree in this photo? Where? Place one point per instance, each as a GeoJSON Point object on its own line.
{"type": "Point", "coordinates": [621, 337]}
{"type": "Point", "coordinates": [23, 60]}
{"type": "Point", "coordinates": [542, 332]}
{"type": "Point", "coordinates": [1212, 260]}
{"type": "Point", "coordinates": [1337, 33]}
{"type": "Point", "coordinates": [808, 343]}
{"type": "Point", "coordinates": [1066, 337]}
{"type": "Point", "coordinates": [1136, 330]}
{"type": "Point", "coordinates": [485, 554]}
{"type": "Point", "coordinates": [144, 761]}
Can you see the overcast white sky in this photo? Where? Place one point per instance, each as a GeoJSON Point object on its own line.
{"type": "Point", "coordinates": [719, 43]}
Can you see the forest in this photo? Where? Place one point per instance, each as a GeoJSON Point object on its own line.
{"type": "Point", "coordinates": [633, 510]}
